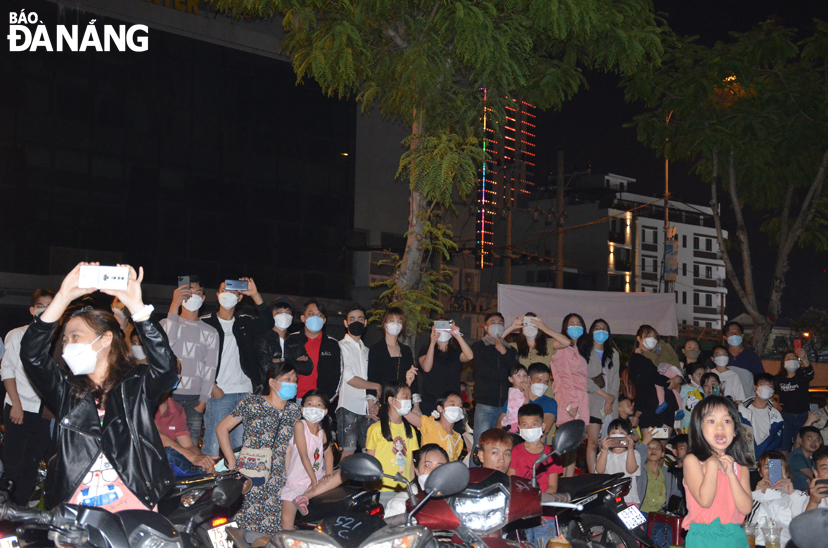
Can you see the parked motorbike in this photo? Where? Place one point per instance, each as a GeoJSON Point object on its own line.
{"type": "Point", "coordinates": [354, 530]}
{"type": "Point", "coordinates": [73, 526]}
{"type": "Point", "coordinates": [345, 499]}
{"type": "Point", "coordinates": [204, 505]}
{"type": "Point", "coordinates": [605, 518]}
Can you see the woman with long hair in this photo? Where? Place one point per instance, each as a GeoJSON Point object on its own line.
{"type": "Point", "coordinates": [109, 452]}
{"type": "Point", "coordinates": [603, 383]}
{"type": "Point", "coordinates": [441, 361]}
{"type": "Point", "coordinates": [645, 376]}
{"type": "Point", "coordinates": [533, 339]}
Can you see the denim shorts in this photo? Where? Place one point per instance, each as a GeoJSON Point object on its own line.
{"type": "Point", "coordinates": [351, 429]}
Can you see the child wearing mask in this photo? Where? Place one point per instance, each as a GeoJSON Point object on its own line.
{"type": "Point", "coordinates": [392, 440]}
{"type": "Point", "coordinates": [618, 454]}
{"type": "Point", "coordinates": [691, 393]}
{"type": "Point", "coordinates": [519, 394]}
{"type": "Point", "coordinates": [731, 384]}
{"type": "Point", "coordinates": [438, 429]}
{"type": "Point", "coordinates": [429, 457]}
{"type": "Point", "coordinates": [761, 418]}
{"type": "Point", "coordinates": [310, 459]}
{"type": "Point", "coordinates": [539, 375]}
{"type": "Point", "coordinates": [530, 420]}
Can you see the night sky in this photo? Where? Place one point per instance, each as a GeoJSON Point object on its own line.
{"type": "Point", "coordinates": [589, 129]}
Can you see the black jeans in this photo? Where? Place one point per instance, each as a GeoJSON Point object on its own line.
{"type": "Point", "coordinates": [24, 446]}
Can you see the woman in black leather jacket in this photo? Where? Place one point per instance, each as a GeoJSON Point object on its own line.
{"type": "Point", "coordinates": [109, 452]}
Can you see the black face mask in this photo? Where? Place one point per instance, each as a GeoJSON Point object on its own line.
{"type": "Point", "coordinates": [356, 329]}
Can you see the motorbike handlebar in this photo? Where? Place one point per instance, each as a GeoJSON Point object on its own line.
{"type": "Point", "coordinates": [21, 513]}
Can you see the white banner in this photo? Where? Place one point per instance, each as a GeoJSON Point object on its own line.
{"type": "Point", "coordinates": [625, 312]}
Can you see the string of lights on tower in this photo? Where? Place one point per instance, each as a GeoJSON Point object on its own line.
{"type": "Point", "coordinates": [506, 173]}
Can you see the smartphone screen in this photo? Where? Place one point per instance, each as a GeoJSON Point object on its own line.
{"type": "Point", "coordinates": [814, 408]}
{"type": "Point", "coordinates": [715, 390]}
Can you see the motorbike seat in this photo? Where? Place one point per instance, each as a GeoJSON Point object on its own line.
{"type": "Point", "coordinates": [336, 495]}
{"type": "Point", "coordinates": [581, 486]}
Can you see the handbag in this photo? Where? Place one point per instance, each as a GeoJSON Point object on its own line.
{"type": "Point", "coordinates": [255, 463]}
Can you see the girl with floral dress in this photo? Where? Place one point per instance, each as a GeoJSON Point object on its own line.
{"type": "Point", "coordinates": [268, 422]}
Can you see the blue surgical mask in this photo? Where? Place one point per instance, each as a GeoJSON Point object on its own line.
{"type": "Point", "coordinates": [575, 331]}
{"type": "Point", "coordinates": [600, 336]}
{"type": "Point", "coordinates": [288, 390]}
{"type": "Point", "coordinates": [314, 324]}
{"type": "Point", "coordinates": [734, 340]}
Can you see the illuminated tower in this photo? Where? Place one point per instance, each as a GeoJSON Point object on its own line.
{"type": "Point", "coordinates": [506, 173]}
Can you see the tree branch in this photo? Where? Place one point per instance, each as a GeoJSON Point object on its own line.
{"type": "Point", "coordinates": [391, 33]}
{"type": "Point", "coordinates": [717, 221]}
{"type": "Point", "coordinates": [741, 231]}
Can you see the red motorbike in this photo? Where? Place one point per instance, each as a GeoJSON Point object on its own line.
{"type": "Point", "coordinates": [493, 503]}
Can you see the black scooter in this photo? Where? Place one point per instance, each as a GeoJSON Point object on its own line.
{"type": "Point", "coordinates": [73, 526]}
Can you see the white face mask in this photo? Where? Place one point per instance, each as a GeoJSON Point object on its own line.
{"type": "Point", "coordinates": [791, 365]}
{"type": "Point", "coordinates": [531, 434]}
{"type": "Point", "coordinates": [539, 389]}
{"type": "Point", "coordinates": [721, 361]}
{"type": "Point", "coordinates": [283, 320]}
{"type": "Point", "coordinates": [650, 343]}
{"type": "Point", "coordinates": [453, 414]}
{"type": "Point", "coordinates": [313, 414]}
{"type": "Point", "coordinates": [765, 392]}
{"type": "Point", "coordinates": [422, 481]}
{"type": "Point", "coordinates": [193, 303]}
{"type": "Point", "coordinates": [495, 330]}
{"type": "Point", "coordinates": [405, 407]}
{"type": "Point", "coordinates": [445, 336]}
{"type": "Point", "coordinates": [80, 357]}
{"type": "Point", "coordinates": [393, 328]}
{"type": "Point", "coordinates": [228, 300]}
{"type": "Point", "coordinates": [530, 331]}
{"type": "Point", "coordinates": [138, 352]}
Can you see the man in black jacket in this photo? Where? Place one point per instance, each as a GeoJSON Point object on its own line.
{"type": "Point", "coordinates": [315, 356]}
{"type": "Point", "coordinates": [238, 372]}
{"type": "Point", "coordinates": [493, 357]}
{"type": "Point", "coordinates": [270, 346]}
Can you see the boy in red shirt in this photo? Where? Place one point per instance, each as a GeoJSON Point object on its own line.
{"type": "Point", "coordinates": [530, 421]}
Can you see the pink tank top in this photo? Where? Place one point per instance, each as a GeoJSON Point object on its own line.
{"type": "Point", "coordinates": [723, 507]}
{"type": "Point", "coordinates": [296, 474]}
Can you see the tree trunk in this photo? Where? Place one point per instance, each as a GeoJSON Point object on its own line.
{"type": "Point", "coordinates": [410, 271]}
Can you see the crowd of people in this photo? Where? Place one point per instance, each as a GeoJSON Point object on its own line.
{"type": "Point", "coordinates": [125, 403]}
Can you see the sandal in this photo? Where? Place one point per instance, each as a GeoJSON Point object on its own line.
{"type": "Point", "coordinates": [301, 503]}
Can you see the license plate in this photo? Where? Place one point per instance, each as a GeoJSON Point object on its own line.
{"type": "Point", "coordinates": [632, 517]}
{"type": "Point", "coordinates": [218, 536]}
{"type": "Point", "coordinates": [9, 542]}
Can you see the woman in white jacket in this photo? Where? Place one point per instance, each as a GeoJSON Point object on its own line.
{"type": "Point", "coordinates": [779, 503]}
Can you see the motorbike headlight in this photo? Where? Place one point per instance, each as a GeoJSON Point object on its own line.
{"type": "Point", "coordinates": [483, 513]}
{"type": "Point", "coordinates": [144, 537]}
{"type": "Point", "coordinates": [304, 539]}
{"type": "Point", "coordinates": [407, 537]}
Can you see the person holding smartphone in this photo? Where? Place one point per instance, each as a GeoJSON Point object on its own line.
{"type": "Point", "coordinates": [440, 363]}
{"type": "Point", "coordinates": [105, 407]}
{"type": "Point", "coordinates": [761, 418]}
{"type": "Point", "coordinates": [775, 496]}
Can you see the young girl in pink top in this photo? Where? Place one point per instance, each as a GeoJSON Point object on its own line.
{"type": "Point", "coordinates": [310, 459]}
{"type": "Point", "coordinates": [716, 477]}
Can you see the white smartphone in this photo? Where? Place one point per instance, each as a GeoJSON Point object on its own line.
{"type": "Point", "coordinates": [103, 277]}
{"type": "Point", "coordinates": [660, 434]}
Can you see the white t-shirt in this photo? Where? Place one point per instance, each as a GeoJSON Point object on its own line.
{"type": "Point", "coordinates": [760, 419]}
{"type": "Point", "coordinates": [617, 462]}
{"type": "Point", "coordinates": [354, 364]}
{"type": "Point", "coordinates": [231, 379]}
{"type": "Point", "coordinates": [732, 385]}
{"type": "Point", "coordinates": [12, 368]}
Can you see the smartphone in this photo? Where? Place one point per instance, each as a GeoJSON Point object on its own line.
{"type": "Point", "coordinates": [235, 285]}
{"type": "Point", "coordinates": [103, 277]}
{"type": "Point", "coordinates": [617, 441]}
{"type": "Point", "coordinates": [442, 325]}
{"type": "Point", "coordinates": [527, 320]}
{"type": "Point", "coordinates": [183, 280]}
{"type": "Point", "coordinates": [797, 344]}
{"type": "Point", "coordinates": [774, 470]}
{"type": "Point", "coordinates": [814, 408]}
{"type": "Point", "coordinates": [716, 390]}
{"type": "Point", "coordinates": [660, 434]}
